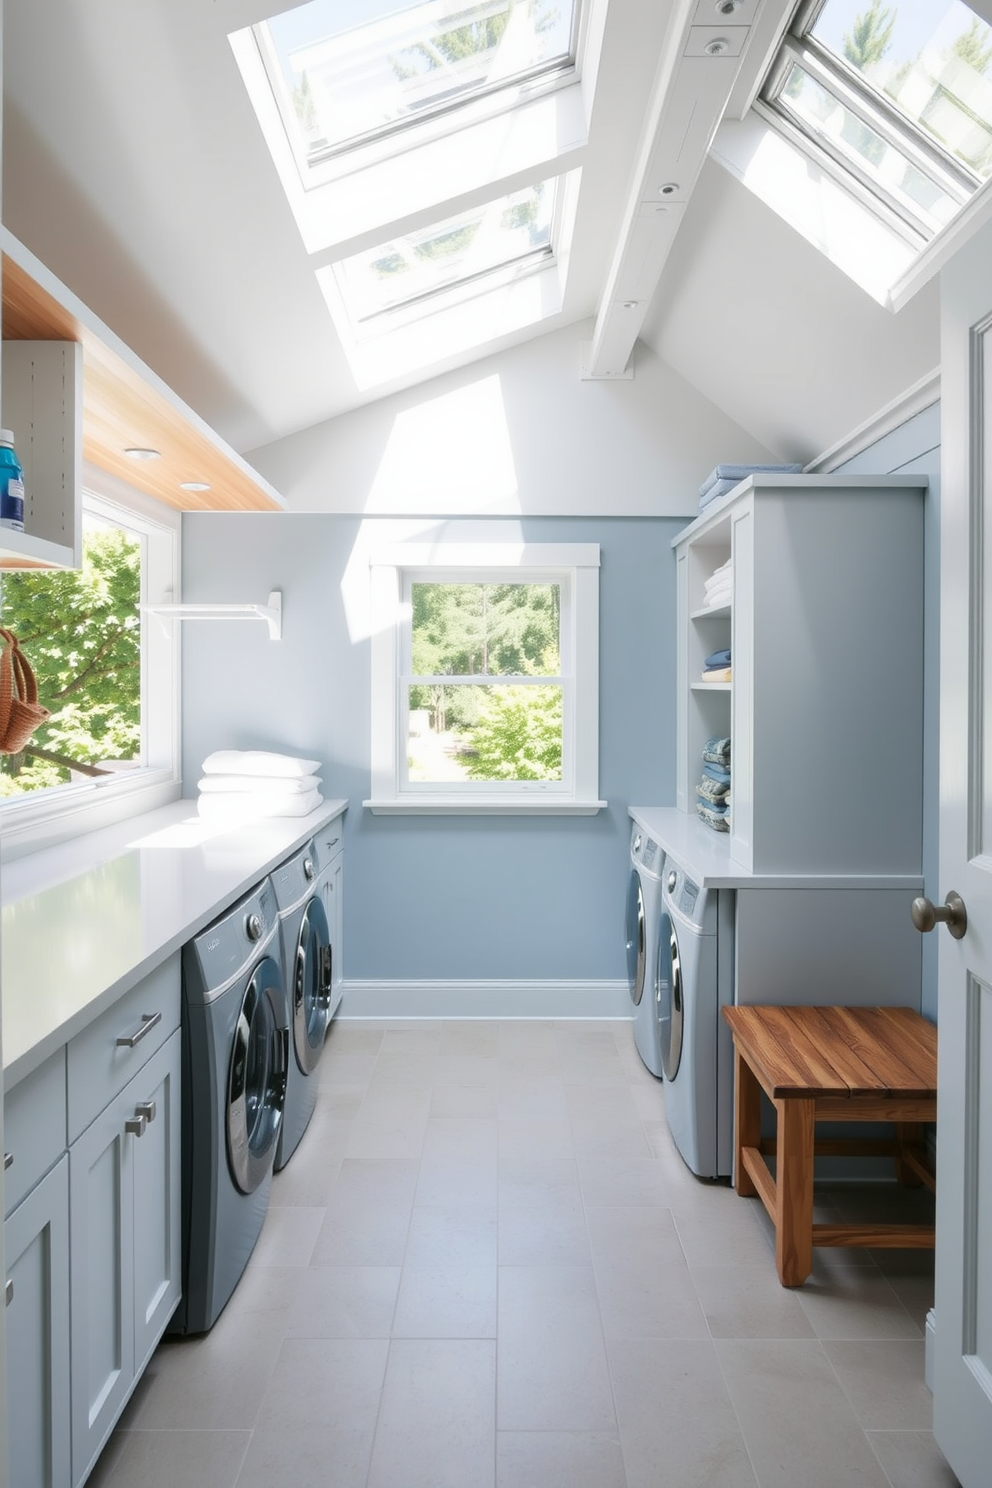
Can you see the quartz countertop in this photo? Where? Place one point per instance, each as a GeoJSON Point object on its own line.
{"type": "Point", "coordinates": [705, 854]}
{"type": "Point", "coordinates": [84, 922]}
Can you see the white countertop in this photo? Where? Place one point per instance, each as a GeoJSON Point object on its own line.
{"type": "Point", "coordinates": [85, 921]}
{"type": "Point", "coordinates": [705, 854]}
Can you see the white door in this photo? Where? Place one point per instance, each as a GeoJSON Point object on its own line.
{"type": "Point", "coordinates": [963, 1307]}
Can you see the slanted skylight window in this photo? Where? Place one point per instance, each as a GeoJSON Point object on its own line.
{"type": "Point", "coordinates": [897, 97]}
{"type": "Point", "coordinates": [512, 233]}
{"type": "Point", "coordinates": [345, 71]}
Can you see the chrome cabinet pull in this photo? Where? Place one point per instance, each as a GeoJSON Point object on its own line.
{"type": "Point", "coordinates": [148, 1022]}
{"type": "Point", "coordinates": [952, 913]}
{"type": "Point", "coordinates": [135, 1125]}
{"type": "Point", "coordinates": [146, 1109]}
{"type": "Point", "coordinates": [10, 1290]}
{"type": "Point", "coordinates": [8, 1159]}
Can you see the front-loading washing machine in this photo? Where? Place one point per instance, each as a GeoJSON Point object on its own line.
{"type": "Point", "coordinates": [235, 1048]}
{"type": "Point", "coordinates": [304, 888]}
{"type": "Point", "coordinates": [643, 917]}
{"type": "Point", "coordinates": [694, 981]}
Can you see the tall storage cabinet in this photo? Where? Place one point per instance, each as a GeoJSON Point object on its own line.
{"type": "Point", "coordinates": [825, 705]}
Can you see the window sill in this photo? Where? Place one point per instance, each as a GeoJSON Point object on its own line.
{"type": "Point", "coordinates": [482, 806]}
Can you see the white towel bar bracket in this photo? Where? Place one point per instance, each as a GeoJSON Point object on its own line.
{"type": "Point", "coordinates": [271, 613]}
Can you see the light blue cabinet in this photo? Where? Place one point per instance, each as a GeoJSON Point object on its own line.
{"type": "Point", "coordinates": [125, 1254]}
{"type": "Point", "coordinates": [36, 1237]}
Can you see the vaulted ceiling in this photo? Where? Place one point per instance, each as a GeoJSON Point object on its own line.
{"type": "Point", "coordinates": [133, 166]}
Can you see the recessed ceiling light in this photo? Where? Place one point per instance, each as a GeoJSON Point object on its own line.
{"type": "Point", "coordinates": [727, 7]}
{"type": "Point", "coordinates": [194, 486]}
{"type": "Point", "coordinates": [669, 188]}
{"type": "Point", "coordinates": [143, 454]}
{"type": "Point", "coordinates": [716, 47]}
{"type": "Point", "coordinates": [629, 304]}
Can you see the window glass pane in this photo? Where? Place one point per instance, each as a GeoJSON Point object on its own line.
{"type": "Point", "coordinates": [824, 115]}
{"type": "Point", "coordinates": [354, 67]}
{"type": "Point", "coordinates": [933, 61]}
{"type": "Point", "coordinates": [81, 633]}
{"type": "Point", "coordinates": [480, 630]}
{"type": "Point", "coordinates": [484, 732]}
{"type": "Point", "coordinates": [510, 229]}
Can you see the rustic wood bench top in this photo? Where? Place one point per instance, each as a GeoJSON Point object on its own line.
{"type": "Point", "coordinates": [838, 1051]}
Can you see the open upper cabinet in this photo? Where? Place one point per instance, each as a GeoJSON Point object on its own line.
{"type": "Point", "coordinates": [121, 406]}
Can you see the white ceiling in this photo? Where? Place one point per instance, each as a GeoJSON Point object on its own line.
{"type": "Point", "coordinates": [134, 168]}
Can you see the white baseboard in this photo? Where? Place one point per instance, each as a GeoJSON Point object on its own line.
{"type": "Point", "coordinates": [484, 999]}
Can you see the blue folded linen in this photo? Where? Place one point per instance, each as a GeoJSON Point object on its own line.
{"type": "Point", "coordinates": [718, 659]}
{"type": "Point", "coordinates": [717, 802]}
{"type": "Point", "coordinates": [711, 817]}
{"type": "Point", "coordinates": [734, 473]}
{"type": "Point", "coordinates": [717, 751]}
{"type": "Point", "coordinates": [716, 772]}
{"type": "Point", "coordinates": [718, 489]}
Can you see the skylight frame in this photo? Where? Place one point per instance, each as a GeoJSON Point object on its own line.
{"type": "Point", "coordinates": [486, 101]}
{"type": "Point", "coordinates": [855, 92]}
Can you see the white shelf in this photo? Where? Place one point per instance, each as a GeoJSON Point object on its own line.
{"type": "Point", "coordinates": [711, 686]}
{"type": "Point", "coordinates": [710, 612]}
{"type": "Point", "coordinates": [24, 550]}
{"type": "Point", "coordinates": [271, 613]}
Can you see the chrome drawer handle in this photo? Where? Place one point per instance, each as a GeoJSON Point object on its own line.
{"type": "Point", "coordinates": [146, 1109]}
{"type": "Point", "coordinates": [10, 1290]}
{"type": "Point", "coordinates": [148, 1022]}
{"type": "Point", "coordinates": [8, 1159]}
{"type": "Point", "coordinates": [135, 1125]}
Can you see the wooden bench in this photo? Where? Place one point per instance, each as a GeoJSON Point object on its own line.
{"type": "Point", "coordinates": [829, 1064]}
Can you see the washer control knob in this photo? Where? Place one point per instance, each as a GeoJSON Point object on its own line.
{"type": "Point", "coordinates": [637, 842]}
{"type": "Point", "coordinates": [671, 881]}
{"type": "Point", "coordinates": [308, 869]}
{"type": "Point", "coordinates": [254, 926]}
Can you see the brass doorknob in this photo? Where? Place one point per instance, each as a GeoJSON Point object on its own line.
{"type": "Point", "coordinates": [951, 913]}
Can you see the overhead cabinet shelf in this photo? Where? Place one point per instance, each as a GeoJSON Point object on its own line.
{"type": "Point", "coordinates": [271, 613]}
{"type": "Point", "coordinates": [111, 403]}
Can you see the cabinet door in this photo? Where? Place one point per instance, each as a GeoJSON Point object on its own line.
{"type": "Point", "coordinates": [156, 1158]}
{"type": "Point", "coordinates": [102, 1278]}
{"type": "Point", "coordinates": [36, 1236]}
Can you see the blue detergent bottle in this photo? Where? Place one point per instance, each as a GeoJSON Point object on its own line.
{"type": "Point", "coordinates": [11, 484]}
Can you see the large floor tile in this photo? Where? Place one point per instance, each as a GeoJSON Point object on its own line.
{"type": "Point", "coordinates": [559, 1459]}
{"type": "Point", "coordinates": [469, 1138]}
{"type": "Point", "coordinates": [454, 1182]}
{"type": "Point", "coordinates": [677, 1424]}
{"type": "Point", "coordinates": [363, 1233]}
{"type": "Point", "coordinates": [912, 1459]}
{"type": "Point", "coordinates": [326, 1382]}
{"type": "Point", "coordinates": [450, 1300]}
{"type": "Point", "coordinates": [538, 1183]}
{"type": "Point", "coordinates": [436, 1427]}
{"type": "Point", "coordinates": [883, 1380]}
{"type": "Point", "coordinates": [288, 1236]}
{"type": "Point", "coordinates": [536, 1137]}
{"type": "Point", "coordinates": [545, 1236]}
{"type": "Point", "coordinates": [452, 1236]}
{"type": "Point", "coordinates": [801, 1431]}
{"type": "Point", "coordinates": [552, 1372]}
{"type": "Point", "coordinates": [315, 1458]}
{"type": "Point", "coordinates": [161, 1459]}
{"type": "Point", "coordinates": [856, 1304]}
{"type": "Point", "coordinates": [637, 1179]}
{"type": "Point", "coordinates": [749, 1302]}
{"type": "Point", "coordinates": [345, 1302]}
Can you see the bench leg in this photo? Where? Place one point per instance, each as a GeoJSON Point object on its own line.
{"type": "Point", "coordinates": [747, 1121]}
{"type": "Point", "coordinates": [908, 1134]}
{"type": "Point", "coordinates": [794, 1191]}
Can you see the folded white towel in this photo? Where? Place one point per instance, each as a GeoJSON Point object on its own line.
{"type": "Point", "coordinates": [267, 785]}
{"type": "Point", "coordinates": [719, 597]}
{"type": "Point", "coordinates": [250, 805]}
{"type": "Point", "coordinates": [257, 762]}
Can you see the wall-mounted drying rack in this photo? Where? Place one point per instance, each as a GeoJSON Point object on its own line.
{"type": "Point", "coordinates": [271, 613]}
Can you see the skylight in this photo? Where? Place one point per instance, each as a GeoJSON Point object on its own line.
{"type": "Point", "coordinates": [512, 231]}
{"type": "Point", "coordinates": [897, 98]}
{"type": "Point", "coordinates": [344, 71]}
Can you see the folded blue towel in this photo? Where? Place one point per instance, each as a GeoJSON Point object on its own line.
{"type": "Point", "coordinates": [718, 658]}
{"type": "Point", "coordinates": [712, 818]}
{"type": "Point", "coordinates": [735, 473]}
{"type": "Point", "coordinates": [717, 772]}
{"type": "Point", "coordinates": [715, 491]}
{"type": "Point", "coordinates": [717, 750]}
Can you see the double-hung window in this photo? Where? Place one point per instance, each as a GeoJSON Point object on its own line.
{"type": "Point", "coordinates": [895, 99]}
{"type": "Point", "coordinates": [485, 679]}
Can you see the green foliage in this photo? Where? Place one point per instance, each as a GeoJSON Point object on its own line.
{"type": "Point", "coordinates": [870, 37]}
{"type": "Point", "coordinates": [81, 632]}
{"type": "Point", "coordinates": [518, 735]}
{"type": "Point", "coordinates": [974, 46]}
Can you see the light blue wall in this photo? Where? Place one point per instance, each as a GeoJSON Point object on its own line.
{"type": "Point", "coordinates": [914, 449]}
{"type": "Point", "coordinates": [435, 897]}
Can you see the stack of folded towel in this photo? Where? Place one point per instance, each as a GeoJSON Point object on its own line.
{"type": "Point", "coordinates": [713, 790]}
{"type": "Point", "coordinates": [719, 587]}
{"type": "Point", "coordinates": [240, 784]}
{"type": "Point", "coordinates": [725, 477]}
{"type": "Point", "coordinates": [717, 668]}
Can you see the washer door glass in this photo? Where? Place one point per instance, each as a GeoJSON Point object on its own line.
{"type": "Point", "coordinates": [668, 996]}
{"type": "Point", "coordinates": [635, 937]}
{"type": "Point", "coordinates": [256, 1087]}
{"type": "Point", "coordinates": [311, 986]}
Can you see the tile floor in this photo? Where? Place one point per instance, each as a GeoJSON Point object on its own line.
{"type": "Point", "coordinates": [487, 1267]}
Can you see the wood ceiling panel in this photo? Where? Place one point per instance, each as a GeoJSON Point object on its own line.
{"type": "Point", "coordinates": [122, 410]}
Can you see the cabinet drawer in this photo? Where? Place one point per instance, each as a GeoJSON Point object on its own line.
{"type": "Point", "coordinates": [34, 1127]}
{"type": "Point", "coordinates": [99, 1065]}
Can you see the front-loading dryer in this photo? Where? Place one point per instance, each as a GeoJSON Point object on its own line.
{"type": "Point", "coordinates": [306, 886]}
{"type": "Point", "coordinates": [643, 917]}
{"type": "Point", "coordinates": [693, 981]}
{"type": "Point", "coordinates": [235, 1047]}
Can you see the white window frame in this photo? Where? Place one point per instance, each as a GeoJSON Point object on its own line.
{"type": "Point", "coordinates": [573, 566]}
{"type": "Point", "coordinates": [41, 818]}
